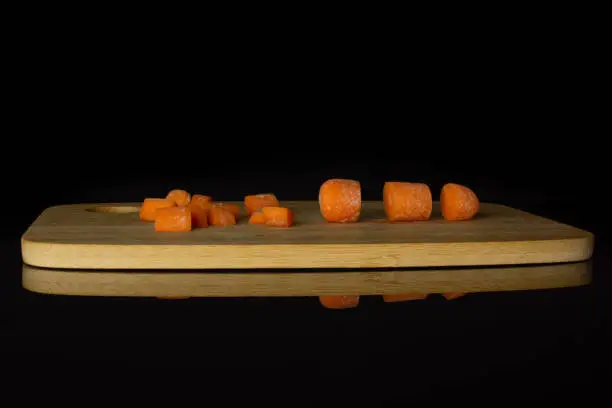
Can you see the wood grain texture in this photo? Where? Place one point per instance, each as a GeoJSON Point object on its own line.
{"type": "Point", "coordinates": [181, 284]}
{"type": "Point", "coordinates": [110, 236]}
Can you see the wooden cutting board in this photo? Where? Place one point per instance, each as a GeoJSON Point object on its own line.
{"type": "Point", "coordinates": [111, 236]}
{"type": "Point", "coordinates": [176, 283]}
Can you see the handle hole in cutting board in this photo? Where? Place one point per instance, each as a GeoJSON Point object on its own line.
{"type": "Point", "coordinates": [116, 209]}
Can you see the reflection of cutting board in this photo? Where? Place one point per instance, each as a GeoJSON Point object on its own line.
{"type": "Point", "coordinates": [110, 236]}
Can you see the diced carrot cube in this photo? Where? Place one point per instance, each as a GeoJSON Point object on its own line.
{"type": "Point", "coordinates": [407, 201]}
{"type": "Point", "coordinates": [220, 216]}
{"type": "Point", "coordinates": [278, 216]}
{"type": "Point", "coordinates": [180, 197]}
{"type": "Point", "coordinates": [458, 203]}
{"type": "Point", "coordinates": [256, 202]}
{"type": "Point", "coordinates": [233, 208]}
{"type": "Point", "coordinates": [257, 218]}
{"type": "Point", "coordinates": [402, 297]}
{"type": "Point", "coordinates": [151, 205]}
{"type": "Point", "coordinates": [199, 213]}
{"type": "Point", "coordinates": [340, 200]}
{"type": "Point", "coordinates": [173, 219]}
{"type": "Point", "coordinates": [202, 199]}
{"type": "Point", "coordinates": [339, 302]}
{"type": "Point", "coordinates": [453, 295]}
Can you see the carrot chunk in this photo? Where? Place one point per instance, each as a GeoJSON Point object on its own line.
{"type": "Point", "coordinates": [407, 201]}
{"type": "Point", "coordinates": [340, 200]}
{"type": "Point", "coordinates": [199, 213]}
{"type": "Point", "coordinates": [203, 199]}
{"type": "Point", "coordinates": [180, 197]}
{"type": "Point", "coordinates": [458, 203]}
{"type": "Point", "coordinates": [339, 302]}
{"type": "Point", "coordinates": [453, 295]}
{"type": "Point", "coordinates": [151, 205]}
{"type": "Point", "coordinates": [219, 216]}
{"type": "Point", "coordinates": [173, 219]}
{"type": "Point", "coordinates": [257, 218]}
{"type": "Point", "coordinates": [404, 297]}
{"type": "Point", "coordinates": [278, 216]}
{"type": "Point", "coordinates": [233, 208]}
{"type": "Point", "coordinates": [256, 202]}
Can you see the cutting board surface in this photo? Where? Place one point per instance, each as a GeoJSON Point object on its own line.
{"type": "Point", "coordinates": [111, 236]}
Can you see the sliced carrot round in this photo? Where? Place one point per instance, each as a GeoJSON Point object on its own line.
{"type": "Point", "coordinates": [256, 202]}
{"type": "Point", "coordinates": [173, 219]}
{"type": "Point", "coordinates": [149, 207]}
{"type": "Point", "coordinates": [405, 201]}
{"type": "Point", "coordinates": [340, 200]}
{"type": "Point", "coordinates": [458, 203]}
{"type": "Point", "coordinates": [278, 216]}
{"type": "Point", "coordinates": [180, 197]}
{"type": "Point", "coordinates": [339, 302]}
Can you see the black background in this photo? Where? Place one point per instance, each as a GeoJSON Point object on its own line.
{"type": "Point", "coordinates": [514, 130]}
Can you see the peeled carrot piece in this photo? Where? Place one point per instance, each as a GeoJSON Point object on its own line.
{"type": "Point", "coordinates": [233, 208]}
{"type": "Point", "coordinates": [199, 213]}
{"type": "Point", "coordinates": [278, 216]}
{"type": "Point", "coordinates": [173, 219]}
{"type": "Point", "coordinates": [257, 218]}
{"type": "Point", "coordinates": [339, 302]}
{"type": "Point", "coordinates": [151, 205]}
{"type": "Point", "coordinates": [180, 197]}
{"type": "Point", "coordinates": [340, 200]}
{"type": "Point", "coordinates": [458, 203]}
{"type": "Point", "coordinates": [453, 295]}
{"type": "Point", "coordinates": [202, 199]}
{"type": "Point", "coordinates": [219, 216]}
{"type": "Point", "coordinates": [404, 297]}
{"type": "Point", "coordinates": [256, 202]}
{"type": "Point", "coordinates": [407, 201]}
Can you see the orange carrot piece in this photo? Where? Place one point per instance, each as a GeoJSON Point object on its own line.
{"type": "Point", "coordinates": [203, 199]}
{"type": "Point", "coordinates": [199, 213]}
{"type": "Point", "coordinates": [404, 297]}
{"type": "Point", "coordinates": [340, 200]}
{"type": "Point", "coordinates": [278, 216]}
{"type": "Point", "coordinates": [458, 203]}
{"type": "Point", "coordinates": [256, 202]}
{"type": "Point", "coordinates": [257, 218]}
{"type": "Point", "coordinates": [339, 302]}
{"type": "Point", "coordinates": [219, 216]}
{"type": "Point", "coordinates": [151, 205]}
{"type": "Point", "coordinates": [233, 208]}
{"type": "Point", "coordinates": [405, 201]}
{"type": "Point", "coordinates": [453, 295]}
{"type": "Point", "coordinates": [173, 219]}
{"type": "Point", "coordinates": [180, 197]}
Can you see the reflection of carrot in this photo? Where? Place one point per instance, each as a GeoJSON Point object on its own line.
{"type": "Point", "coordinates": [219, 216]}
{"type": "Point", "coordinates": [173, 219]}
{"type": "Point", "coordinates": [404, 297]}
{"type": "Point", "coordinates": [233, 208]}
{"type": "Point", "coordinates": [407, 201]}
{"type": "Point", "coordinates": [453, 295]}
{"type": "Point", "coordinates": [339, 302]}
{"type": "Point", "coordinates": [458, 202]}
{"type": "Point", "coordinates": [180, 197]}
{"type": "Point", "coordinates": [151, 205]}
{"type": "Point", "coordinates": [278, 216]}
{"type": "Point", "coordinates": [199, 213]}
{"type": "Point", "coordinates": [340, 200]}
{"type": "Point", "coordinates": [257, 218]}
{"type": "Point", "coordinates": [256, 202]}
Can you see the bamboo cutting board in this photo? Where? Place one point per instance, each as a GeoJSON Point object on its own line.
{"type": "Point", "coordinates": [111, 236]}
